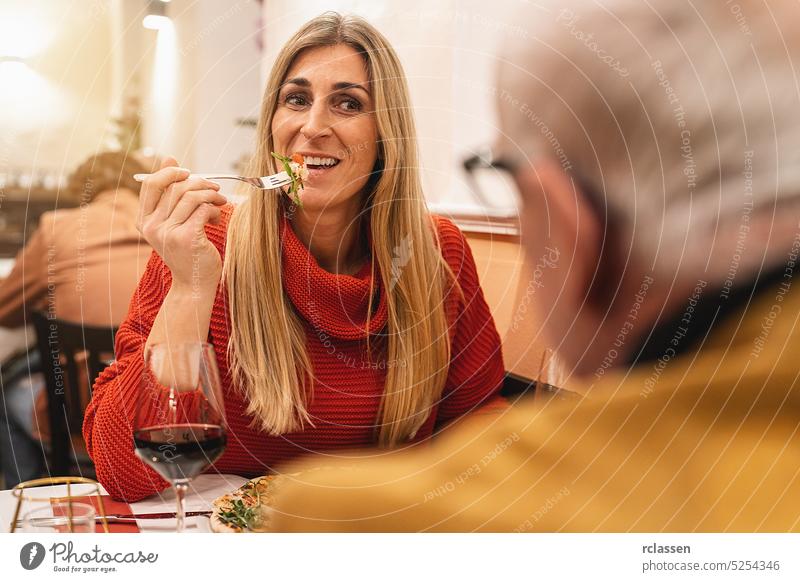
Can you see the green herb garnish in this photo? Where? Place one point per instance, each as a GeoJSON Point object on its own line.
{"type": "Point", "coordinates": [297, 181]}
{"type": "Point", "coordinates": [240, 515]}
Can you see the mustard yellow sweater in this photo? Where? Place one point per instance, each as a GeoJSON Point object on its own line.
{"type": "Point", "coordinates": [709, 441]}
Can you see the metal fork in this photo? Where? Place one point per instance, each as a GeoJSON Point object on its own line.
{"type": "Point", "coordinates": [264, 183]}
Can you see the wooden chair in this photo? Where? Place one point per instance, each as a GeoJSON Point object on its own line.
{"type": "Point", "coordinates": [506, 283]}
{"type": "Point", "coordinates": [60, 344]}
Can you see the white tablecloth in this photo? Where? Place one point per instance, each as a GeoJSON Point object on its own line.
{"type": "Point", "coordinates": [202, 491]}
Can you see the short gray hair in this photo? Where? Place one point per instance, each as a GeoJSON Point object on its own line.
{"type": "Point", "coordinates": [682, 114]}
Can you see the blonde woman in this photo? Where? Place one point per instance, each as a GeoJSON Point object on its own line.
{"type": "Point", "coordinates": [354, 319]}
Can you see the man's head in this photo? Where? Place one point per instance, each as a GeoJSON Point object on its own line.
{"type": "Point", "coordinates": [643, 138]}
{"type": "Point", "coordinates": [104, 172]}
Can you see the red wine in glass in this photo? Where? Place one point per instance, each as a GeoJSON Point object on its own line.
{"type": "Point", "coordinates": [180, 427]}
{"type": "Point", "coordinates": [180, 451]}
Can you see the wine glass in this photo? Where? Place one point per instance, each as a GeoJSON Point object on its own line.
{"type": "Point", "coordinates": [180, 428]}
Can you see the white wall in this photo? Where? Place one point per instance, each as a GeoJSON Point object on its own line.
{"type": "Point", "coordinates": [219, 83]}
{"type": "Point", "coordinates": [54, 106]}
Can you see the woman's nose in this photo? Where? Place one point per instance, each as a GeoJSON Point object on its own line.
{"type": "Point", "coordinates": [317, 123]}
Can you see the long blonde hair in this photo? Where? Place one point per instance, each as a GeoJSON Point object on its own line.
{"type": "Point", "coordinates": [267, 350]}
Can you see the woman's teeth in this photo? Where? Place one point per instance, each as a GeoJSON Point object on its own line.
{"type": "Point", "coordinates": [325, 162]}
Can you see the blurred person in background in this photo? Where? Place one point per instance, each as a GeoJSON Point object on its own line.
{"type": "Point", "coordinates": [658, 149]}
{"type": "Point", "coordinates": [80, 265]}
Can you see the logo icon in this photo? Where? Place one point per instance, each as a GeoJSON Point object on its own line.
{"type": "Point", "coordinates": [31, 555]}
{"type": "Point", "coordinates": [400, 258]}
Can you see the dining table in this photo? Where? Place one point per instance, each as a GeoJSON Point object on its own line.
{"type": "Point", "coordinates": [203, 490]}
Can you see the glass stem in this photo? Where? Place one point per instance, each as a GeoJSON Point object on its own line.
{"type": "Point", "coordinates": [180, 511]}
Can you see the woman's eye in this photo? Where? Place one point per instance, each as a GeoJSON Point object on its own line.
{"type": "Point", "coordinates": [349, 104]}
{"type": "Point", "coordinates": [295, 100]}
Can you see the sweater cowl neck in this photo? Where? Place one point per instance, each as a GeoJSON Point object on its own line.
{"type": "Point", "coordinates": [330, 303]}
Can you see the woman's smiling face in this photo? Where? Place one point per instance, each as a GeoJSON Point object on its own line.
{"type": "Point", "coordinates": [325, 113]}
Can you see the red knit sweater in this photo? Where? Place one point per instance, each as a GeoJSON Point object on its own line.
{"type": "Point", "coordinates": [346, 387]}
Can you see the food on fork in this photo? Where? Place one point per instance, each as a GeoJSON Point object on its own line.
{"type": "Point", "coordinates": [295, 168]}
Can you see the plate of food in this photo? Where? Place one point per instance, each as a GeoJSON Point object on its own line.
{"type": "Point", "coordinates": [248, 508]}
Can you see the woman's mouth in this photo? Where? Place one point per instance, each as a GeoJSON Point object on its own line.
{"type": "Point", "coordinates": [319, 165]}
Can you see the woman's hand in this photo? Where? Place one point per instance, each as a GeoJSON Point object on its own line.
{"type": "Point", "coordinates": [173, 212]}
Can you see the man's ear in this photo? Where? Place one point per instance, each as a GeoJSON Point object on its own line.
{"type": "Point", "coordinates": [575, 229]}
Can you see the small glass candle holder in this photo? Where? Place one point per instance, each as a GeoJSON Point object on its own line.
{"type": "Point", "coordinates": [62, 506]}
{"type": "Point", "coordinates": [60, 517]}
